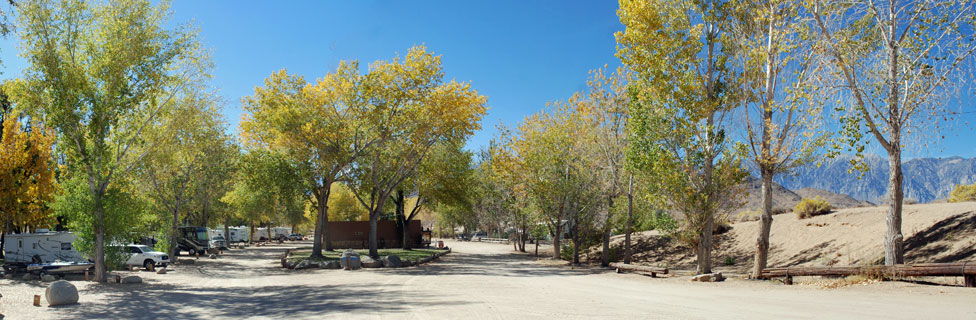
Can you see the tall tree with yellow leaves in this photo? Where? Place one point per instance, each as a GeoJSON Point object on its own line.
{"type": "Point", "coordinates": [26, 174]}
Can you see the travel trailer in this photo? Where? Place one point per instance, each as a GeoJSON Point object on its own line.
{"type": "Point", "coordinates": [44, 251]}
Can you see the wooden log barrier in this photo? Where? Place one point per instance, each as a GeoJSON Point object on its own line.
{"type": "Point", "coordinates": [966, 270]}
{"type": "Point", "coordinates": [621, 267]}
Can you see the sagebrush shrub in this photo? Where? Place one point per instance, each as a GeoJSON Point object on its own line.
{"type": "Point", "coordinates": [810, 207]}
{"type": "Point", "coordinates": [963, 193]}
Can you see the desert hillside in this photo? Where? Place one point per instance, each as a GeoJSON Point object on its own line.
{"type": "Point", "coordinates": [785, 199]}
{"type": "Point", "coordinates": [940, 232]}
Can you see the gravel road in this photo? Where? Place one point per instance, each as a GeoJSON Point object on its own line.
{"type": "Point", "coordinates": [476, 281]}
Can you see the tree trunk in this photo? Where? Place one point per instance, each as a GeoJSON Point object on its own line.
{"type": "Point", "coordinates": [605, 257]}
{"type": "Point", "coordinates": [704, 252]}
{"type": "Point", "coordinates": [100, 268]}
{"type": "Point", "coordinates": [894, 250]}
{"type": "Point", "coordinates": [373, 245]}
{"type": "Point", "coordinates": [557, 233]}
{"type": "Point", "coordinates": [401, 216]}
{"type": "Point", "coordinates": [321, 235]}
{"type": "Point", "coordinates": [227, 232]}
{"type": "Point", "coordinates": [576, 244]}
{"type": "Point", "coordinates": [893, 238]}
{"type": "Point", "coordinates": [174, 247]}
{"type": "Point", "coordinates": [628, 251]}
{"type": "Point", "coordinates": [765, 222]}
{"type": "Point", "coordinates": [536, 247]}
{"type": "Point", "coordinates": [3, 238]}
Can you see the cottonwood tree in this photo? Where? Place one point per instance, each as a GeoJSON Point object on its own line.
{"type": "Point", "coordinates": [780, 110]}
{"type": "Point", "coordinates": [411, 109]}
{"type": "Point", "coordinates": [323, 127]}
{"type": "Point", "coordinates": [680, 99]}
{"type": "Point", "coordinates": [897, 61]}
{"type": "Point", "coordinates": [183, 138]}
{"type": "Point", "coordinates": [555, 166]}
{"type": "Point", "coordinates": [442, 178]}
{"type": "Point", "coordinates": [607, 116]}
{"type": "Point", "coordinates": [26, 173]}
{"type": "Point", "coordinates": [503, 188]}
{"type": "Point", "coordinates": [99, 74]}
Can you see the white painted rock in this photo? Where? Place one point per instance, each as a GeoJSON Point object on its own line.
{"type": "Point", "coordinates": [61, 293]}
{"type": "Point", "coordinates": [369, 262]}
{"type": "Point", "coordinates": [132, 279]}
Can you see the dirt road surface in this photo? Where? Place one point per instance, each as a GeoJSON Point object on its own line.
{"type": "Point", "coordinates": [476, 281]}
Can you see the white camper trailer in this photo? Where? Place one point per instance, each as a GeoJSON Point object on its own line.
{"type": "Point", "coordinates": [239, 234]}
{"type": "Point", "coordinates": [280, 233]}
{"type": "Point", "coordinates": [260, 234]}
{"type": "Point", "coordinates": [44, 251]}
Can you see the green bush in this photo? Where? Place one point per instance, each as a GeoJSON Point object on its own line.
{"type": "Point", "coordinates": [812, 207]}
{"type": "Point", "coordinates": [963, 193]}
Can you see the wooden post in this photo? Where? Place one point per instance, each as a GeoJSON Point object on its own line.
{"type": "Point", "coordinates": [86, 275]}
{"type": "Point", "coordinates": [970, 281]}
{"type": "Point", "coordinates": [653, 275]}
{"type": "Point", "coordinates": [37, 300]}
{"type": "Point", "coordinates": [118, 279]}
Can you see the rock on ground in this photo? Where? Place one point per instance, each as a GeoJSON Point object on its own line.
{"type": "Point", "coordinates": [369, 262]}
{"type": "Point", "coordinates": [392, 261]}
{"type": "Point", "coordinates": [132, 279]}
{"type": "Point", "coordinates": [48, 278]}
{"type": "Point", "coordinates": [330, 265]}
{"type": "Point", "coordinates": [709, 277]}
{"type": "Point", "coordinates": [61, 293]}
{"type": "Point", "coordinates": [305, 264]}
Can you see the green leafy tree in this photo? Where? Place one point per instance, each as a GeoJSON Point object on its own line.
{"type": "Point", "coordinates": [680, 98]}
{"type": "Point", "coordinates": [322, 127]}
{"type": "Point", "coordinates": [411, 109]}
{"type": "Point", "coordinates": [99, 74]}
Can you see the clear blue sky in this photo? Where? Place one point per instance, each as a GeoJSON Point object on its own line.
{"type": "Point", "coordinates": [521, 54]}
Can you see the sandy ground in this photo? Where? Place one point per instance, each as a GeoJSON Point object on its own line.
{"type": "Point", "coordinates": [476, 281]}
{"type": "Point", "coordinates": [939, 232]}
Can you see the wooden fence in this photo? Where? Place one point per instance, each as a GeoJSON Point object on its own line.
{"type": "Point", "coordinates": [966, 270]}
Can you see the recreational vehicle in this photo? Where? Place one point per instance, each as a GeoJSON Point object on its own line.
{"type": "Point", "coordinates": [44, 251]}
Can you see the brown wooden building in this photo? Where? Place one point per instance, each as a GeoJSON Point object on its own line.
{"type": "Point", "coordinates": [355, 234]}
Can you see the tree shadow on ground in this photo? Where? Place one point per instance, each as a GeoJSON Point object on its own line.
{"type": "Point", "coordinates": [933, 244]}
{"type": "Point", "coordinates": [152, 300]}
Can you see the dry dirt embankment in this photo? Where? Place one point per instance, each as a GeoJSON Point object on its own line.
{"type": "Point", "coordinates": [940, 232]}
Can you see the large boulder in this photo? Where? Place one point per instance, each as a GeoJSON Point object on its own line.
{"type": "Point", "coordinates": [709, 277]}
{"type": "Point", "coordinates": [48, 278]}
{"type": "Point", "coordinates": [132, 279]}
{"type": "Point", "coordinates": [392, 261]}
{"type": "Point", "coordinates": [61, 293]}
{"type": "Point", "coordinates": [369, 262]}
{"type": "Point", "coordinates": [29, 277]}
{"type": "Point", "coordinates": [350, 262]}
{"type": "Point", "coordinates": [306, 264]}
{"type": "Point", "coordinates": [330, 265]}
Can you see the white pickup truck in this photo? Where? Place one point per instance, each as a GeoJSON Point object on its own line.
{"type": "Point", "coordinates": [145, 257]}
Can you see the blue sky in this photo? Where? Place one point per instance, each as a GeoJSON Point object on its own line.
{"type": "Point", "coordinates": [520, 54]}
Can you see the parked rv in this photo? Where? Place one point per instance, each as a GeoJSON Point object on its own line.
{"type": "Point", "coordinates": [193, 240]}
{"type": "Point", "coordinates": [43, 252]}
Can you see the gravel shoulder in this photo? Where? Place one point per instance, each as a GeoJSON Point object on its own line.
{"type": "Point", "coordinates": [476, 281]}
